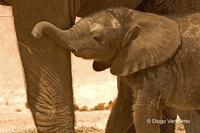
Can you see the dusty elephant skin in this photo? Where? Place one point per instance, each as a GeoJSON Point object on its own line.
{"type": "Point", "coordinates": [157, 59]}
{"type": "Point", "coordinates": [43, 76]}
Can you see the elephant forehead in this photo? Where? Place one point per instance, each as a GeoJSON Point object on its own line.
{"type": "Point", "coordinates": [113, 24]}
{"type": "Point", "coordinates": [96, 27]}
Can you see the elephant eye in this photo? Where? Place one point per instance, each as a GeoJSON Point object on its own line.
{"type": "Point", "coordinates": [97, 38]}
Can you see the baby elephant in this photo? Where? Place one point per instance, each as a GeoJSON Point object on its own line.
{"type": "Point", "coordinates": [158, 57]}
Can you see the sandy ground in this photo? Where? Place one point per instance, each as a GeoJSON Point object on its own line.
{"type": "Point", "coordinates": [15, 119]}
{"type": "Point", "coordinates": [90, 87]}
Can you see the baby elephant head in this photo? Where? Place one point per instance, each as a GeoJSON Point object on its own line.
{"type": "Point", "coordinates": [123, 39]}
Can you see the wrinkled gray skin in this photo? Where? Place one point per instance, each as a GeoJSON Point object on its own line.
{"type": "Point", "coordinates": [49, 88]}
{"type": "Point", "coordinates": [157, 59]}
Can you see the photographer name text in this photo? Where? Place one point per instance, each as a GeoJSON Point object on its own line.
{"type": "Point", "coordinates": [155, 121]}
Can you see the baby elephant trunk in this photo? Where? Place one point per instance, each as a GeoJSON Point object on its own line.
{"type": "Point", "coordinates": [64, 38]}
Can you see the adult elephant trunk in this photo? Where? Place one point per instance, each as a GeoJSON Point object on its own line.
{"type": "Point", "coordinates": [66, 38]}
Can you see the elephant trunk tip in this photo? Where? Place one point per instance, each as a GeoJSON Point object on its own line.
{"type": "Point", "coordinates": [36, 34]}
{"type": "Point", "coordinates": [37, 30]}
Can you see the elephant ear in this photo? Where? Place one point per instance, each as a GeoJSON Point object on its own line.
{"type": "Point", "coordinates": [100, 65]}
{"type": "Point", "coordinates": [151, 41]}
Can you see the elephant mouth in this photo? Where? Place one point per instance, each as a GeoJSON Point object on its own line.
{"type": "Point", "coordinates": [72, 50]}
{"type": "Point", "coordinates": [82, 54]}
{"type": "Point", "coordinates": [76, 53]}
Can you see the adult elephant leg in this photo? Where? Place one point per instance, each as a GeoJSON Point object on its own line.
{"type": "Point", "coordinates": [121, 118]}
{"type": "Point", "coordinates": [4, 3]}
{"type": "Point", "coordinates": [194, 120]}
{"type": "Point", "coordinates": [46, 65]}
